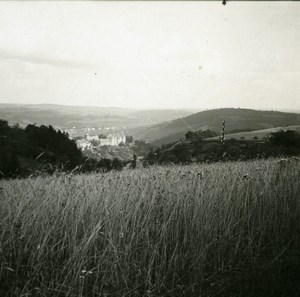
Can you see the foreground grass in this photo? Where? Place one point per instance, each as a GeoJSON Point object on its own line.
{"type": "Point", "coordinates": [204, 230]}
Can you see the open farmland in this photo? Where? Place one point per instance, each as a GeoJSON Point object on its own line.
{"type": "Point", "coordinates": [225, 229]}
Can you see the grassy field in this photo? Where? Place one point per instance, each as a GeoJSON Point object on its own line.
{"type": "Point", "coordinates": [259, 134]}
{"type": "Point", "coordinates": [225, 229]}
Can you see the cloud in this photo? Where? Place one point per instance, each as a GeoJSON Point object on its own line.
{"type": "Point", "coordinates": [42, 60]}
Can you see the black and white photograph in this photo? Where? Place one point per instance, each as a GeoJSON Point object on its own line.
{"type": "Point", "coordinates": [150, 148]}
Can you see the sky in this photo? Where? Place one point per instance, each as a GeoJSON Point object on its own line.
{"type": "Point", "coordinates": [158, 54]}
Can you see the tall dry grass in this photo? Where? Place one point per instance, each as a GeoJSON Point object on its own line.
{"type": "Point", "coordinates": [200, 230]}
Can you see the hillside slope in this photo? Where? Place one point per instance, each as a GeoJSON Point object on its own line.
{"type": "Point", "coordinates": [243, 119]}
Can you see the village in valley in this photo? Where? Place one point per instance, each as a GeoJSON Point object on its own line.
{"type": "Point", "coordinates": [107, 142]}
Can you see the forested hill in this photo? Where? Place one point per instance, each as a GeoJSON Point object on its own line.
{"type": "Point", "coordinates": [23, 151]}
{"type": "Point", "coordinates": [236, 119]}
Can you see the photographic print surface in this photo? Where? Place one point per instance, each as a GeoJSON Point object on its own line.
{"type": "Point", "coordinates": [149, 148]}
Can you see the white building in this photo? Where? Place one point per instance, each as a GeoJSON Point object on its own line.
{"type": "Point", "coordinates": [83, 144]}
{"type": "Point", "coordinates": [104, 141]}
{"type": "Point", "coordinates": [117, 138]}
{"type": "Point", "coordinates": [92, 138]}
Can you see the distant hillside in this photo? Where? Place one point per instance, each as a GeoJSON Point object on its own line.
{"type": "Point", "coordinates": [60, 116]}
{"type": "Point", "coordinates": [242, 119]}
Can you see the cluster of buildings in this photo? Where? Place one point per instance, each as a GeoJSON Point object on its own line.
{"type": "Point", "coordinates": [114, 139]}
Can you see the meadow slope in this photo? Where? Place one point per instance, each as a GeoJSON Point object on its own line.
{"type": "Point", "coordinates": [259, 134]}
{"type": "Point", "coordinates": [225, 229]}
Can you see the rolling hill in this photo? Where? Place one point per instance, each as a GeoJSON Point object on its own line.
{"type": "Point", "coordinates": [61, 116]}
{"type": "Point", "coordinates": [236, 118]}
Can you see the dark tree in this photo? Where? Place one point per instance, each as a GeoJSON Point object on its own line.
{"type": "Point", "coordinates": [3, 127]}
{"type": "Point", "coordinates": [182, 154]}
{"type": "Point", "coordinates": [117, 164]}
{"type": "Point", "coordinates": [133, 162]}
{"type": "Point", "coordinates": [104, 164]}
{"type": "Point", "coordinates": [9, 165]}
{"type": "Point", "coordinates": [285, 138]}
{"type": "Point", "coordinates": [46, 139]}
{"type": "Point", "coordinates": [151, 157]}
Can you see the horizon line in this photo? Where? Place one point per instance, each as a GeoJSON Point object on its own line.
{"type": "Point", "coordinates": [297, 110]}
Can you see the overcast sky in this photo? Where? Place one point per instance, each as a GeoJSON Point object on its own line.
{"type": "Point", "coordinates": [151, 54]}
